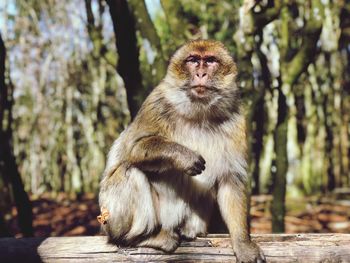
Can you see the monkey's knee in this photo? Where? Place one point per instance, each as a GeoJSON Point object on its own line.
{"type": "Point", "coordinates": [127, 229]}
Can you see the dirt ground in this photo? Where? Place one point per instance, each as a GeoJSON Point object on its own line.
{"type": "Point", "coordinates": [60, 215]}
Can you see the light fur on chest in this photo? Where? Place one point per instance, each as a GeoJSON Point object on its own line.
{"type": "Point", "coordinates": [218, 150]}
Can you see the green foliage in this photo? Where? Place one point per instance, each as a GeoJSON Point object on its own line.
{"type": "Point", "coordinates": [70, 103]}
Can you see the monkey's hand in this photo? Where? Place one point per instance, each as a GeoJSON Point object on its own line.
{"type": "Point", "coordinates": [248, 252]}
{"type": "Point", "coordinates": [191, 162]}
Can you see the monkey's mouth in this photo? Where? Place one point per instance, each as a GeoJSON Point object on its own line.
{"type": "Point", "coordinates": [201, 91]}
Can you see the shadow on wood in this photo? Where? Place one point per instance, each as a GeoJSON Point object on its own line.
{"type": "Point", "coordinates": [214, 248]}
{"type": "Point", "coordinates": [20, 250]}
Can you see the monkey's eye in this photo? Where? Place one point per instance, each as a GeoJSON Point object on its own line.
{"type": "Point", "coordinates": [211, 60]}
{"type": "Point", "coordinates": [192, 59]}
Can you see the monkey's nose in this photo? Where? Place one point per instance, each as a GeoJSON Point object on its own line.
{"type": "Point", "coordinates": [201, 75]}
{"type": "Point", "coordinates": [200, 79]}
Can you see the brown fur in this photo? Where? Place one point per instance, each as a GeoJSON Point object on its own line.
{"type": "Point", "coordinates": [184, 151]}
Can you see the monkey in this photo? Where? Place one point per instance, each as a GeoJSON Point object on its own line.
{"type": "Point", "coordinates": [184, 152]}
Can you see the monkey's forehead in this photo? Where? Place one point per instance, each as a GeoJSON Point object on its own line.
{"type": "Point", "coordinates": [205, 45]}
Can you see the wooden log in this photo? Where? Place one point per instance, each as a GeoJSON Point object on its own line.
{"type": "Point", "coordinates": [214, 248]}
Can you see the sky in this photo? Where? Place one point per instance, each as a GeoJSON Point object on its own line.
{"type": "Point", "coordinates": [7, 7]}
{"type": "Point", "coordinates": [153, 7]}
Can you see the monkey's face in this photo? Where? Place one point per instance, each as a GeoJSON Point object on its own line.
{"type": "Point", "coordinates": [202, 75]}
{"type": "Point", "coordinates": [201, 68]}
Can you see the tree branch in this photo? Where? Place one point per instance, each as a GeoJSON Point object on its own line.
{"type": "Point", "coordinates": [307, 51]}
{"type": "Point", "coordinates": [146, 27]}
{"type": "Point", "coordinates": [3, 90]}
{"type": "Point", "coordinates": [95, 34]}
{"type": "Point", "coordinates": [176, 22]}
{"type": "Point", "coordinates": [261, 19]}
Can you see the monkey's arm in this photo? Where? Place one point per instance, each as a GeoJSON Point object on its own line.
{"type": "Point", "coordinates": [157, 154]}
{"type": "Point", "coordinates": [232, 201]}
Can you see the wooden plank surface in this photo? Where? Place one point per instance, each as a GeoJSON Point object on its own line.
{"type": "Point", "coordinates": [214, 248]}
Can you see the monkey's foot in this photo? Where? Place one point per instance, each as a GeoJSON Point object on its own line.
{"type": "Point", "coordinates": [164, 240]}
{"type": "Point", "coordinates": [193, 227]}
{"type": "Point", "coordinates": [188, 233]}
{"type": "Point", "coordinates": [249, 252]}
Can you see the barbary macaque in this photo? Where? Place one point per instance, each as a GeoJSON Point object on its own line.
{"type": "Point", "coordinates": [184, 152]}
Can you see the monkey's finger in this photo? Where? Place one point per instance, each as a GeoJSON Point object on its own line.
{"type": "Point", "coordinates": [201, 169]}
{"type": "Point", "coordinates": [193, 171]}
{"type": "Point", "coordinates": [200, 166]}
{"type": "Point", "coordinates": [201, 159]}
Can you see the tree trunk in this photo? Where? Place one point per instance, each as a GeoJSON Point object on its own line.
{"type": "Point", "coordinates": [8, 165]}
{"type": "Point", "coordinates": [279, 181]}
{"type": "Point", "coordinates": [3, 229]}
{"type": "Point", "coordinates": [128, 60]}
{"type": "Point", "coordinates": [329, 147]}
{"type": "Point", "coordinates": [291, 67]}
{"type": "Point", "coordinates": [257, 144]}
{"type": "Point", "coordinates": [259, 114]}
{"type": "Point", "coordinates": [300, 118]}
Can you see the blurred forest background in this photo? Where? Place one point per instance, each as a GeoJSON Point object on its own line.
{"type": "Point", "coordinates": [74, 73]}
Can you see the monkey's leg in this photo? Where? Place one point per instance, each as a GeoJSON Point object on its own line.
{"type": "Point", "coordinates": [165, 240]}
{"type": "Point", "coordinates": [232, 201]}
{"type": "Point", "coordinates": [157, 154]}
{"type": "Point", "coordinates": [127, 197]}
